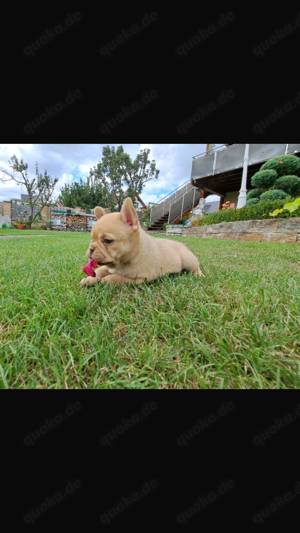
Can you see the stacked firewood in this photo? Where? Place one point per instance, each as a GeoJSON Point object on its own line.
{"type": "Point", "coordinates": [76, 223]}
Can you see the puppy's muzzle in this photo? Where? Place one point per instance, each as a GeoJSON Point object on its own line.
{"type": "Point", "coordinates": [97, 255]}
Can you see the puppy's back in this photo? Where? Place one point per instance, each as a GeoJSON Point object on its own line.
{"type": "Point", "coordinates": [168, 256]}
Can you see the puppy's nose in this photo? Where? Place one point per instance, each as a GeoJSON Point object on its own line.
{"type": "Point", "coordinates": [90, 251]}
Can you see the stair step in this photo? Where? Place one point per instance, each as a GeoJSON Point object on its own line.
{"type": "Point", "coordinates": [159, 223]}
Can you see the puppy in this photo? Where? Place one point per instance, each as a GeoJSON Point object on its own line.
{"type": "Point", "coordinates": [127, 254]}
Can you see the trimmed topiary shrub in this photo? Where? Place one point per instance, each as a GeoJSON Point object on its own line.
{"type": "Point", "coordinates": [274, 194]}
{"type": "Point", "coordinates": [255, 193]}
{"type": "Point", "coordinates": [289, 184]}
{"type": "Point", "coordinates": [283, 165]}
{"type": "Point", "coordinates": [264, 179]}
{"type": "Point", "coordinates": [252, 201]}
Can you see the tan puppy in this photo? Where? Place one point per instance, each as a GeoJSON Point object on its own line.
{"type": "Point", "coordinates": [128, 254]}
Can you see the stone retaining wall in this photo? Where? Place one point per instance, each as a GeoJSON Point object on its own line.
{"type": "Point", "coordinates": [176, 229]}
{"type": "Point", "coordinates": [285, 230]}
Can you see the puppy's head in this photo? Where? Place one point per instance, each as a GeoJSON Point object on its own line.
{"type": "Point", "coordinates": [115, 236]}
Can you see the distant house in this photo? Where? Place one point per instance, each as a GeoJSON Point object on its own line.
{"type": "Point", "coordinates": [24, 199]}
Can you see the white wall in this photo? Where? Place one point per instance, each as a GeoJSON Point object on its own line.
{"type": "Point", "coordinates": [232, 197]}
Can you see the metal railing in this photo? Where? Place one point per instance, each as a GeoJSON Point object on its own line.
{"type": "Point", "coordinates": [183, 203]}
{"type": "Point", "coordinates": [230, 158]}
{"type": "Point", "coordinates": [173, 202]}
{"type": "Point", "coordinates": [162, 207]}
{"type": "Point", "coordinates": [217, 149]}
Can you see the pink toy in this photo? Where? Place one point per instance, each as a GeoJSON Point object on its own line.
{"type": "Point", "coordinates": [88, 268]}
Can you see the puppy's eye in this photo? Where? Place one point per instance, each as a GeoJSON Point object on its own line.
{"type": "Point", "coordinates": [107, 241]}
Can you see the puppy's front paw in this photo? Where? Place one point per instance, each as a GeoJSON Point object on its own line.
{"type": "Point", "coordinates": [87, 281]}
{"type": "Point", "coordinates": [105, 279]}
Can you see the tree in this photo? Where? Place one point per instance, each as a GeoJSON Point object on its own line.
{"type": "Point", "coordinates": [121, 177]}
{"type": "Point", "coordinates": [40, 189]}
{"type": "Point", "coordinates": [82, 195]}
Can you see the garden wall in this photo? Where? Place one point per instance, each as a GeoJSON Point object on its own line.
{"type": "Point", "coordinates": [5, 220]}
{"type": "Point", "coordinates": [285, 230]}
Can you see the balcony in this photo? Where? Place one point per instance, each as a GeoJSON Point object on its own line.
{"type": "Point", "coordinates": [221, 171]}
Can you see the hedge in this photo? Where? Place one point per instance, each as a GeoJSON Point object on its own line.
{"type": "Point", "coordinates": [260, 211]}
{"type": "Point", "coordinates": [254, 193]}
{"type": "Point", "coordinates": [252, 201]}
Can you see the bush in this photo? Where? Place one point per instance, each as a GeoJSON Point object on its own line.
{"type": "Point", "coordinates": [274, 194]}
{"type": "Point", "coordinates": [145, 218]}
{"type": "Point", "coordinates": [283, 165]}
{"type": "Point", "coordinates": [255, 193]}
{"type": "Point", "coordinates": [198, 221]}
{"type": "Point", "coordinates": [264, 179]}
{"type": "Point", "coordinates": [259, 211]}
{"type": "Point", "coordinates": [289, 184]}
{"type": "Point", "coordinates": [252, 201]}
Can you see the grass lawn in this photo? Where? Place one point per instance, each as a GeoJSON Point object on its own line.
{"type": "Point", "coordinates": [7, 232]}
{"type": "Point", "coordinates": [236, 328]}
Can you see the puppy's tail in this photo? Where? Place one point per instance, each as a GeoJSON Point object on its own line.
{"type": "Point", "coordinates": [198, 272]}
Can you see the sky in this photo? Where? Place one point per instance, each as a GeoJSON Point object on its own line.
{"type": "Point", "coordinates": [70, 162]}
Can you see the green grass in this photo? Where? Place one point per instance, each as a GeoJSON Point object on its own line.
{"type": "Point", "coordinates": [236, 328]}
{"type": "Point", "coordinates": [9, 231]}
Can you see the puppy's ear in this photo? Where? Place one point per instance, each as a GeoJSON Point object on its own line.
{"type": "Point", "coordinates": [129, 214]}
{"type": "Point", "coordinates": [99, 212]}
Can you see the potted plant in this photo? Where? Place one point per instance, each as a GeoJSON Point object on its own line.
{"type": "Point", "coordinates": [48, 224]}
{"type": "Point", "coordinates": [20, 223]}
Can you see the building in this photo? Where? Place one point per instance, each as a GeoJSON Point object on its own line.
{"type": "Point", "coordinates": [23, 200]}
{"type": "Point", "coordinates": [227, 172]}
{"type": "Point", "coordinates": [18, 209]}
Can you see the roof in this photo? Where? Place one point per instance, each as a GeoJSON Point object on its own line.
{"type": "Point", "coordinates": [23, 199]}
{"type": "Point", "coordinates": [56, 211]}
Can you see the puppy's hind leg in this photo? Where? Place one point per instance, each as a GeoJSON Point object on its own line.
{"type": "Point", "coordinates": [190, 262]}
{"type": "Point", "coordinates": [198, 272]}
